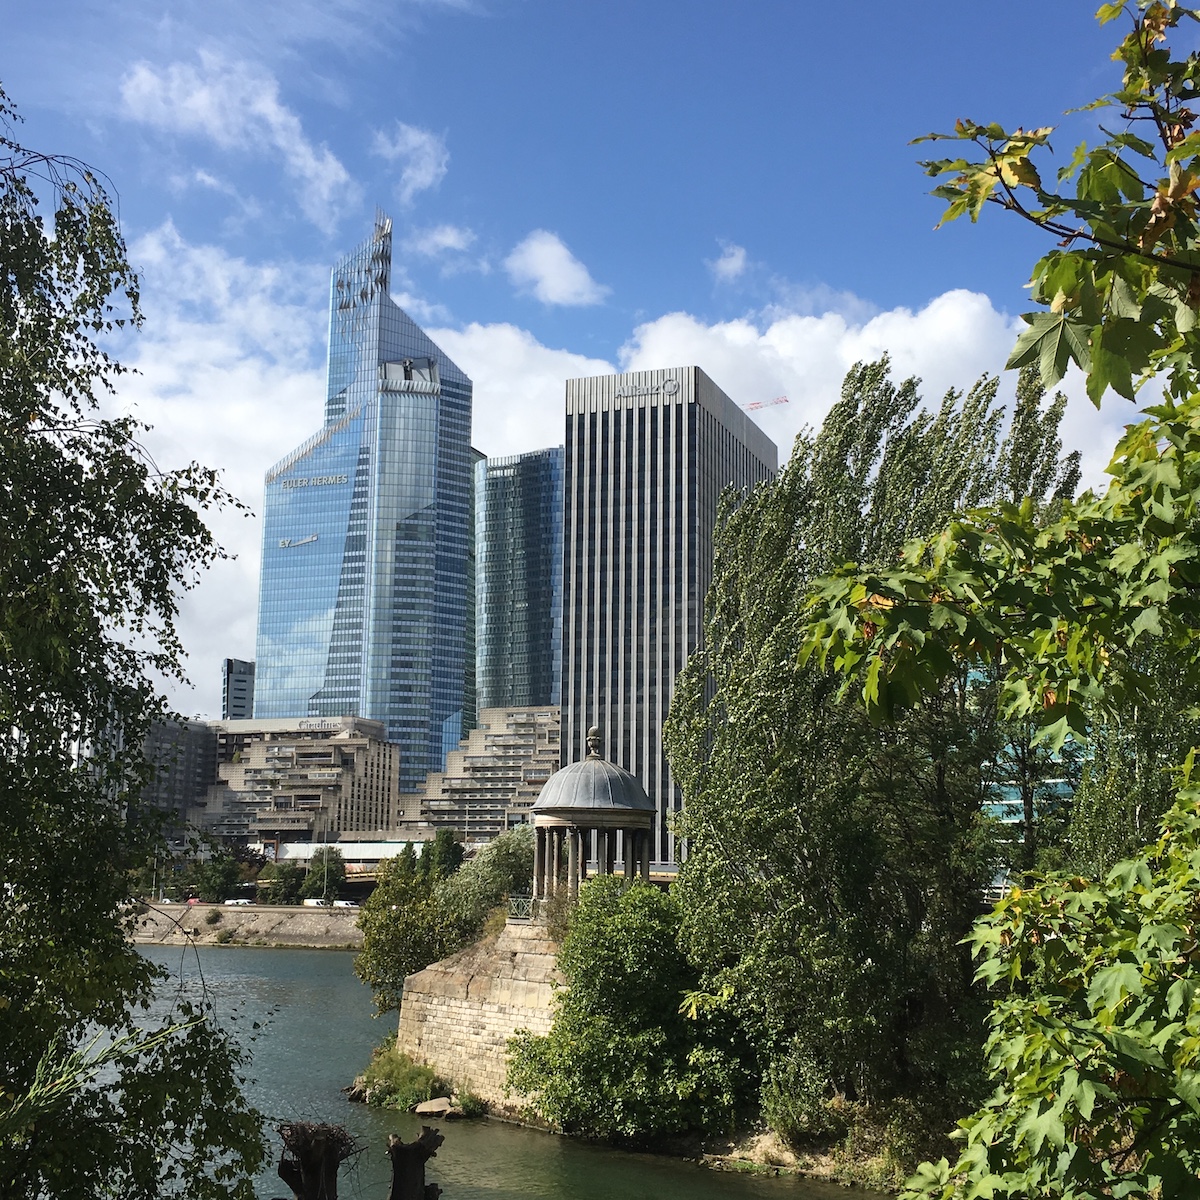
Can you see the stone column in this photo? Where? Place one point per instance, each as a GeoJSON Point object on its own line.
{"type": "Point", "coordinates": [573, 863]}
{"type": "Point", "coordinates": [548, 865]}
{"type": "Point", "coordinates": [628, 846]}
{"type": "Point", "coordinates": [610, 857]}
{"type": "Point", "coordinates": [538, 834]}
{"type": "Point", "coordinates": [645, 854]}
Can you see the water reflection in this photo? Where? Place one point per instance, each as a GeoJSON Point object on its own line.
{"type": "Point", "coordinates": [317, 1030]}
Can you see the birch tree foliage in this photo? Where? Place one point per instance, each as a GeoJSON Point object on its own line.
{"type": "Point", "coordinates": [96, 543]}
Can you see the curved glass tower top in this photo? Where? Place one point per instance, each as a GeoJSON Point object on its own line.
{"type": "Point", "coordinates": [363, 603]}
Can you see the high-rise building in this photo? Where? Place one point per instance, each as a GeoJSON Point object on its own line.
{"type": "Point", "coordinates": [184, 754]}
{"type": "Point", "coordinates": [519, 540]}
{"type": "Point", "coordinates": [364, 602]}
{"type": "Point", "coordinates": [237, 690]}
{"type": "Point", "coordinates": [304, 779]}
{"type": "Point", "coordinates": [648, 454]}
{"type": "Point", "coordinates": [492, 780]}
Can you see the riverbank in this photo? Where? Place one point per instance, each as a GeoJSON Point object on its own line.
{"type": "Point", "coordinates": [260, 925]}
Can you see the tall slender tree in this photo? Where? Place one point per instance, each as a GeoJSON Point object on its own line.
{"type": "Point", "coordinates": [833, 866]}
{"type": "Point", "coordinates": [95, 544]}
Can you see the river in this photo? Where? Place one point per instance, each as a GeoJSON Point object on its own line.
{"type": "Point", "coordinates": [318, 1030]}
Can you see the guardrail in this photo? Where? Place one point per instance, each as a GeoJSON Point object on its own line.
{"type": "Point", "coordinates": [521, 908]}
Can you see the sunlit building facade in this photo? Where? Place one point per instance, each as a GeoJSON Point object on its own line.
{"type": "Point", "coordinates": [366, 592]}
{"type": "Point", "coordinates": [648, 454]}
{"type": "Point", "coordinates": [519, 544]}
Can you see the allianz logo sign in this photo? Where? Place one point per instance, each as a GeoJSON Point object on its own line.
{"type": "Point", "coordinates": [628, 391]}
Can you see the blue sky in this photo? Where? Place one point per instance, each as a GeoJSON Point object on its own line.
{"type": "Point", "coordinates": [576, 187]}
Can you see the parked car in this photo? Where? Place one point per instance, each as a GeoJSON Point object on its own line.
{"type": "Point", "coordinates": [229, 903]}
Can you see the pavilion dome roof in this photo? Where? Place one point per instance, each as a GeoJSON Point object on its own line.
{"type": "Point", "coordinates": [593, 785]}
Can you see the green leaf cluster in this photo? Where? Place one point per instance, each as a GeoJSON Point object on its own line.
{"type": "Point", "coordinates": [1095, 1034]}
{"type": "Point", "coordinates": [621, 1061]}
{"type": "Point", "coordinates": [326, 874]}
{"type": "Point", "coordinates": [1064, 609]}
{"type": "Point", "coordinates": [1121, 287]}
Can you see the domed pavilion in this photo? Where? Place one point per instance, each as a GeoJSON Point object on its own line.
{"type": "Point", "coordinates": [590, 809]}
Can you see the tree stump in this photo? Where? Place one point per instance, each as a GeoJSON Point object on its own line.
{"type": "Point", "coordinates": [311, 1157]}
{"type": "Point", "coordinates": [408, 1166]}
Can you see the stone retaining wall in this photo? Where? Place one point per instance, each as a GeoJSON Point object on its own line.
{"type": "Point", "coordinates": [458, 1014]}
{"type": "Point", "coordinates": [251, 925]}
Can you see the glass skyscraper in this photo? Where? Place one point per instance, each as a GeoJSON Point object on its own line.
{"type": "Point", "coordinates": [365, 599]}
{"type": "Point", "coordinates": [648, 454]}
{"type": "Point", "coordinates": [519, 540]}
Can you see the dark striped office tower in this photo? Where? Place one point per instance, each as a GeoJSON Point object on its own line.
{"type": "Point", "coordinates": [519, 543]}
{"type": "Point", "coordinates": [648, 454]}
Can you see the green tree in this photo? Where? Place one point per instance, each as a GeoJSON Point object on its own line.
{"type": "Point", "coordinates": [281, 882]}
{"type": "Point", "coordinates": [217, 878]}
{"type": "Point", "coordinates": [326, 875]}
{"type": "Point", "coordinates": [1095, 1029]}
{"type": "Point", "coordinates": [832, 866]}
{"type": "Point", "coordinates": [416, 916]}
{"type": "Point", "coordinates": [1096, 1043]}
{"type": "Point", "coordinates": [1066, 613]}
{"type": "Point", "coordinates": [441, 857]}
{"type": "Point", "coordinates": [95, 547]}
{"type": "Point", "coordinates": [621, 1059]}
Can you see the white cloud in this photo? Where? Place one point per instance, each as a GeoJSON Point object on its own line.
{"type": "Point", "coordinates": [423, 156]}
{"type": "Point", "coordinates": [731, 265]}
{"type": "Point", "coordinates": [519, 385]}
{"type": "Point", "coordinates": [236, 106]}
{"type": "Point", "coordinates": [948, 344]}
{"type": "Point", "coordinates": [439, 240]}
{"type": "Point", "coordinates": [543, 265]}
{"type": "Point", "coordinates": [231, 374]}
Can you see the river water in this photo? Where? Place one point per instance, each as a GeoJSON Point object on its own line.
{"type": "Point", "coordinates": [317, 1032]}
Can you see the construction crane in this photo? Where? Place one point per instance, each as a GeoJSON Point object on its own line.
{"type": "Point", "coordinates": [755, 405]}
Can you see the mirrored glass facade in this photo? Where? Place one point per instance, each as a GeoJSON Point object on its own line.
{"type": "Point", "coordinates": [648, 454]}
{"type": "Point", "coordinates": [365, 597]}
{"type": "Point", "coordinates": [519, 538]}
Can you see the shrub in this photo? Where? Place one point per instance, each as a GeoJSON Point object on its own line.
{"type": "Point", "coordinates": [621, 1060]}
{"type": "Point", "coordinates": [212, 917]}
{"type": "Point", "coordinates": [795, 1099]}
{"type": "Point", "coordinates": [472, 1105]}
{"type": "Point", "coordinates": [393, 1080]}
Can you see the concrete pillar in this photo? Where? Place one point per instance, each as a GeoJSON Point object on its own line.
{"type": "Point", "coordinates": [644, 848]}
{"type": "Point", "coordinates": [573, 863]}
{"type": "Point", "coordinates": [628, 839]}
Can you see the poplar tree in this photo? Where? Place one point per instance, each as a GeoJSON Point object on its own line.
{"type": "Point", "coordinates": [833, 866]}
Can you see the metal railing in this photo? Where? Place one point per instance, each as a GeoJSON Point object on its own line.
{"type": "Point", "coordinates": [521, 908]}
